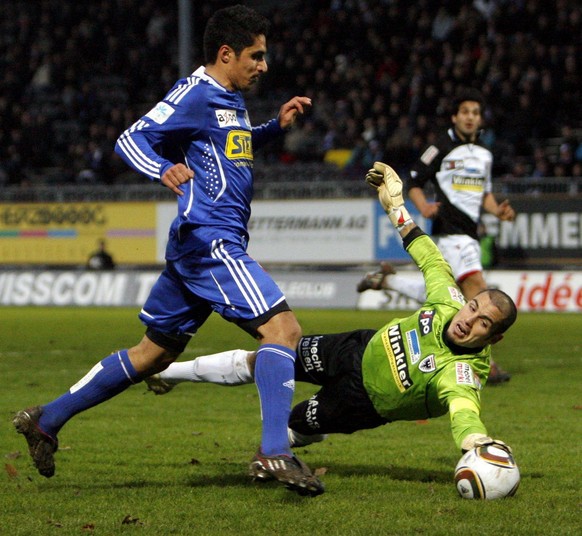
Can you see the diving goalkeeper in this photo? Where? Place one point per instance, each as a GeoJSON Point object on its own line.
{"type": "Point", "coordinates": [430, 363]}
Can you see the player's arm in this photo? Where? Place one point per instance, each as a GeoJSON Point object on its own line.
{"type": "Point", "coordinates": [263, 134]}
{"type": "Point", "coordinates": [421, 173]}
{"type": "Point", "coordinates": [285, 119]}
{"type": "Point", "coordinates": [291, 109]}
{"type": "Point", "coordinates": [436, 271]}
{"type": "Point", "coordinates": [465, 421]}
{"type": "Point", "coordinates": [503, 211]}
{"type": "Point", "coordinates": [166, 124]}
{"type": "Point", "coordinates": [464, 404]}
{"type": "Point", "coordinates": [137, 148]}
{"type": "Point", "coordinates": [427, 208]}
{"type": "Point", "coordinates": [459, 392]}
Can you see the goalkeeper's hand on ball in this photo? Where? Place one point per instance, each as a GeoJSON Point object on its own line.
{"type": "Point", "coordinates": [479, 440]}
{"type": "Point", "coordinates": [389, 187]}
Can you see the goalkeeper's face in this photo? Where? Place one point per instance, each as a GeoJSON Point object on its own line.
{"type": "Point", "coordinates": [474, 326]}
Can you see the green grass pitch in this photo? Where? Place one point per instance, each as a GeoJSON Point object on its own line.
{"type": "Point", "coordinates": [176, 464]}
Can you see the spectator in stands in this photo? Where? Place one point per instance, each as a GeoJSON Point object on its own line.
{"type": "Point", "coordinates": [364, 154]}
{"type": "Point", "coordinates": [101, 259]}
{"type": "Point", "coordinates": [541, 169]}
{"type": "Point", "coordinates": [73, 71]}
{"type": "Point", "coordinates": [567, 149]}
{"type": "Point", "coordinates": [304, 143]}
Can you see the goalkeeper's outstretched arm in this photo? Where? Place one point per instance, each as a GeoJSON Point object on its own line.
{"type": "Point", "coordinates": [389, 187]}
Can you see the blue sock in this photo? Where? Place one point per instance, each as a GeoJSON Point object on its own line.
{"type": "Point", "coordinates": [275, 380]}
{"type": "Point", "coordinates": [106, 379]}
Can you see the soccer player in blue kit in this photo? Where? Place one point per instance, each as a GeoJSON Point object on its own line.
{"type": "Point", "coordinates": [198, 142]}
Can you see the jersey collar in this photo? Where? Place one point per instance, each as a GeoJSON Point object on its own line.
{"type": "Point", "coordinates": [201, 73]}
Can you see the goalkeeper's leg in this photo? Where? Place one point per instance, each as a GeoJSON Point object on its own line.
{"type": "Point", "coordinates": [230, 368]}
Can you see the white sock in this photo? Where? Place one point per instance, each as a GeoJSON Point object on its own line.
{"type": "Point", "coordinates": [301, 440]}
{"type": "Point", "coordinates": [224, 368]}
{"type": "Point", "coordinates": [407, 286]}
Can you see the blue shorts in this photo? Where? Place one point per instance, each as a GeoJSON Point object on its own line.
{"type": "Point", "coordinates": [229, 282]}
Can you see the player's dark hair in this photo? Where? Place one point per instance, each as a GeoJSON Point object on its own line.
{"type": "Point", "coordinates": [467, 94]}
{"type": "Point", "coordinates": [506, 306]}
{"type": "Point", "coordinates": [235, 26]}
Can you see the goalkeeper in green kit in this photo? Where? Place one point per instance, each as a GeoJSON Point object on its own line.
{"type": "Point", "coordinates": [430, 363]}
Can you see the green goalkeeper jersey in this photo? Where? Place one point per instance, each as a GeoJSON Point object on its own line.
{"type": "Point", "coordinates": [408, 370]}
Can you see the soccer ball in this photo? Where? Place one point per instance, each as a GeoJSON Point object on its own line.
{"type": "Point", "coordinates": [487, 472]}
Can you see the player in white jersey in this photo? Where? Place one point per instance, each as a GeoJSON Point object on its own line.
{"type": "Point", "coordinates": [459, 167]}
{"type": "Point", "coordinates": [198, 142]}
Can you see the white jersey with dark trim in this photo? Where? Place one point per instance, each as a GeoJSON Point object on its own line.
{"type": "Point", "coordinates": [461, 174]}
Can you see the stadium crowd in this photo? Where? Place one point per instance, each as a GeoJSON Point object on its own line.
{"type": "Point", "coordinates": [381, 74]}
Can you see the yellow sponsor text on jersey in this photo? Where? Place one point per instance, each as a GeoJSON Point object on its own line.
{"type": "Point", "coordinates": [468, 184]}
{"type": "Point", "coordinates": [239, 145]}
{"type": "Point", "coordinates": [394, 346]}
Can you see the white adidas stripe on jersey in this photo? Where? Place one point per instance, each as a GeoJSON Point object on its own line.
{"type": "Point", "coordinates": [176, 95]}
{"type": "Point", "coordinates": [243, 279]}
{"type": "Point", "coordinates": [135, 154]}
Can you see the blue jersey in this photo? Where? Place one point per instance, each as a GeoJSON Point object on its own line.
{"type": "Point", "coordinates": [202, 125]}
{"type": "Point", "coordinates": [206, 127]}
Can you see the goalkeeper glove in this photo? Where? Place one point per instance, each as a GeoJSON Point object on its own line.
{"type": "Point", "coordinates": [389, 187]}
{"type": "Point", "coordinates": [479, 440]}
{"type": "Point", "coordinates": [375, 176]}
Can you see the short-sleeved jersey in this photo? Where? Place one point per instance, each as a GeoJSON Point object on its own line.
{"type": "Point", "coordinates": [203, 125]}
{"type": "Point", "coordinates": [409, 371]}
{"type": "Point", "coordinates": [461, 174]}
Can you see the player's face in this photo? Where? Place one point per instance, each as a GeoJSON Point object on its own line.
{"type": "Point", "coordinates": [249, 65]}
{"type": "Point", "coordinates": [467, 120]}
{"type": "Point", "coordinates": [472, 326]}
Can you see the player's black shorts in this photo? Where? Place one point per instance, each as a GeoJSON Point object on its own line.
{"type": "Point", "coordinates": [342, 404]}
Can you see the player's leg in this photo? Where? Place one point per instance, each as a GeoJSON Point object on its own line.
{"type": "Point", "coordinates": [333, 361]}
{"type": "Point", "coordinates": [111, 376]}
{"type": "Point", "coordinates": [464, 255]}
{"type": "Point", "coordinates": [471, 284]}
{"type": "Point", "coordinates": [410, 287]}
{"type": "Point", "coordinates": [342, 406]}
{"type": "Point", "coordinates": [319, 358]}
{"type": "Point", "coordinates": [230, 368]}
{"type": "Point", "coordinates": [241, 291]}
{"type": "Point", "coordinates": [386, 278]}
{"type": "Point", "coordinates": [275, 379]}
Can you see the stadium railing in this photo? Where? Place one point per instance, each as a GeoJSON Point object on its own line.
{"type": "Point", "coordinates": [273, 181]}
